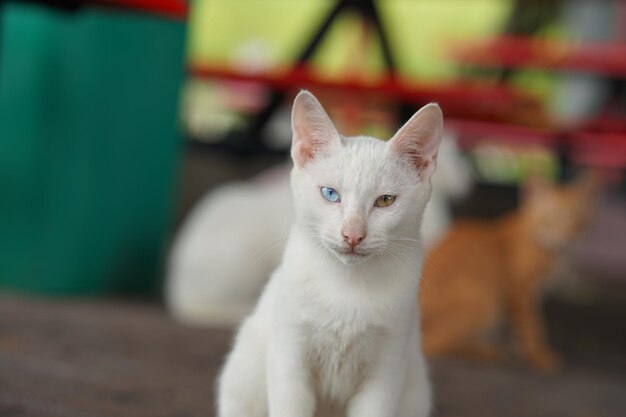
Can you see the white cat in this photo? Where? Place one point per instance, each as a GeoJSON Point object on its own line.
{"type": "Point", "coordinates": [336, 330]}
{"type": "Point", "coordinates": [207, 283]}
{"type": "Point", "coordinates": [226, 250]}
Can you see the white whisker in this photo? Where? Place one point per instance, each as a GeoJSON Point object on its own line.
{"type": "Point", "coordinates": [267, 251]}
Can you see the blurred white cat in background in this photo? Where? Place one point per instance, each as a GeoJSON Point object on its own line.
{"type": "Point", "coordinates": [235, 235]}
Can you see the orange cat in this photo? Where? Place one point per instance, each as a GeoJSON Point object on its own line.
{"type": "Point", "coordinates": [484, 273]}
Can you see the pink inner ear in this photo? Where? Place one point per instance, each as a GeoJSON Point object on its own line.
{"type": "Point", "coordinates": [313, 131]}
{"type": "Point", "coordinates": [423, 164]}
{"type": "Point", "coordinates": [301, 153]}
{"type": "Point", "coordinates": [419, 139]}
{"type": "Point", "coordinates": [409, 145]}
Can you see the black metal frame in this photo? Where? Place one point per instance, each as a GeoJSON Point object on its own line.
{"type": "Point", "coordinates": [250, 140]}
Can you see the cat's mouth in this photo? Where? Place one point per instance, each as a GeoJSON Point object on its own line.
{"type": "Point", "coordinates": [353, 256]}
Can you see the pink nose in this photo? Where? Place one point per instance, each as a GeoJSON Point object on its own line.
{"type": "Point", "coordinates": [352, 238]}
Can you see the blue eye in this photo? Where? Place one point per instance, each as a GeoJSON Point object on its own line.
{"type": "Point", "coordinates": [330, 194]}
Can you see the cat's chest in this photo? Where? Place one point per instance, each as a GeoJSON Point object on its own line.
{"type": "Point", "coordinates": [340, 357]}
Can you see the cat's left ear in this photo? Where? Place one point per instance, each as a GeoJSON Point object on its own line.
{"type": "Point", "coordinates": [419, 139]}
{"type": "Point", "coordinates": [313, 132]}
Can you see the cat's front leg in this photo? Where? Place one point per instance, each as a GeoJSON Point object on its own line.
{"type": "Point", "coordinates": [380, 394]}
{"type": "Point", "coordinates": [289, 386]}
{"type": "Point", "coordinates": [528, 324]}
{"type": "Point", "coordinates": [531, 334]}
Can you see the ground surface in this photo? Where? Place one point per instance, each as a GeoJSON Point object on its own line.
{"type": "Point", "coordinates": [117, 358]}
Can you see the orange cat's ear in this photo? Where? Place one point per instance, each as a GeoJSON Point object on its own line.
{"type": "Point", "coordinates": [313, 132]}
{"type": "Point", "coordinates": [534, 186]}
{"type": "Point", "coordinates": [419, 139]}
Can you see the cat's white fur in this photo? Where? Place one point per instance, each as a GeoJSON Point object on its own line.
{"type": "Point", "coordinates": [336, 330]}
{"type": "Point", "coordinates": [226, 250]}
{"type": "Point", "coordinates": [235, 237]}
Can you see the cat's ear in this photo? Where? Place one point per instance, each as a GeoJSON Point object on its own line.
{"type": "Point", "coordinates": [419, 139]}
{"type": "Point", "coordinates": [535, 187]}
{"type": "Point", "coordinates": [313, 132]}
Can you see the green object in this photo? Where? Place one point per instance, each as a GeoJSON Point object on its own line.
{"type": "Point", "coordinates": [89, 148]}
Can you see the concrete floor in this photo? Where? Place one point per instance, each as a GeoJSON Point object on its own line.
{"type": "Point", "coordinates": [107, 358]}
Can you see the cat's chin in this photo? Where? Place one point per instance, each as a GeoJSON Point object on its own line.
{"type": "Point", "coordinates": [351, 258]}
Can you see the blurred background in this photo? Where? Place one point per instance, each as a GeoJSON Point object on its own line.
{"type": "Point", "coordinates": [118, 116]}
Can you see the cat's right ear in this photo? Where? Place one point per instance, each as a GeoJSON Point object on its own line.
{"type": "Point", "coordinates": [313, 132]}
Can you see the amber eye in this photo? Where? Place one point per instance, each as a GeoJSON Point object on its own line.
{"type": "Point", "coordinates": [385, 200]}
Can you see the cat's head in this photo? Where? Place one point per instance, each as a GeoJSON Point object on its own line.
{"type": "Point", "coordinates": [558, 214]}
{"type": "Point", "coordinates": [360, 197]}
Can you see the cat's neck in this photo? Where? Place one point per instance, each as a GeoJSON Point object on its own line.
{"type": "Point", "coordinates": [516, 229]}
